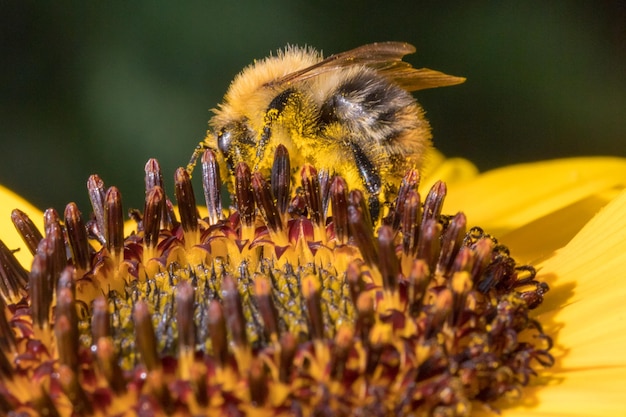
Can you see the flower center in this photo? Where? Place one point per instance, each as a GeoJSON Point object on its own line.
{"type": "Point", "coordinates": [295, 303]}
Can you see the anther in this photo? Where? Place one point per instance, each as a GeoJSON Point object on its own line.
{"type": "Point", "coordinates": [434, 201]}
{"type": "Point", "coordinates": [217, 332]}
{"type": "Point", "coordinates": [245, 200]}
{"type": "Point", "coordinates": [312, 300]}
{"type": "Point", "coordinates": [410, 222]}
{"type": "Point", "coordinates": [212, 185]}
{"type": "Point", "coordinates": [288, 347]}
{"type": "Point", "coordinates": [153, 211]}
{"type": "Point", "coordinates": [13, 277]}
{"type": "Point", "coordinates": [114, 224]}
{"type": "Point", "coordinates": [145, 338]}
{"type": "Point", "coordinates": [233, 310]}
{"type": "Point", "coordinates": [362, 234]}
{"type": "Point", "coordinates": [77, 237]}
{"type": "Point", "coordinates": [27, 230]}
{"type": "Point", "coordinates": [95, 189]}
{"type": "Point", "coordinates": [265, 202]}
{"type": "Point", "coordinates": [339, 203]}
{"type": "Point", "coordinates": [257, 383]}
{"type": "Point", "coordinates": [450, 243]}
{"type": "Point", "coordinates": [281, 179]}
{"type": "Point", "coordinates": [428, 243]}
{"type": "Point", "coordinates": [184, 317]}
{"type": "Point", "coordinates": [312, 194]}
{"type": "Point", "coordinates": [387, 260]}
{"type": "Point", "coordinates": [186, 206]}
{"type": "Point", "coordinates": [263, 292]}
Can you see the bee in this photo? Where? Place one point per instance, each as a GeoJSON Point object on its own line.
{"type": "Point", "coordinates": [351, 114]}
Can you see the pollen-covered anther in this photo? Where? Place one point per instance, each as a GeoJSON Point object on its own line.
{"type": "Point", "coordinates": [153, 212]}
{"type": "Point", "coordinates": [212, 186]}
{"type": "Point", "coordinates": [245, 200]}
{"type": "Point", "coordinates": [281, 180]}
{"type": "Point", "coordinates": [97, 192]}
{"type": "Point", "coordinates": [187, 207]}
{"type": "Point", "coordinates": [313, 196]}
{"type": "Point", "coordinates": [339, 205]}
{"type": "Point", "coordinates": [265, 202]}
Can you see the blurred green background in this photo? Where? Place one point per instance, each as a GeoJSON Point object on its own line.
{"type": "Point", "coordinates": [101, 87]}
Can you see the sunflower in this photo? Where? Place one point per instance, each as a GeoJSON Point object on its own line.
{"type": "Point", "coordinates": [298, 303]}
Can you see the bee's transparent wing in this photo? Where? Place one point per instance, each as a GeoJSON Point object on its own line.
{"type": "Point", "coordinates": [384, 57]}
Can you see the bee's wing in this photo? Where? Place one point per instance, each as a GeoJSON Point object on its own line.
{"type": "Point", "coordinates": [384, 57]}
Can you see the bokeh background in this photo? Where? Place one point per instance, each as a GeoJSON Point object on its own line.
{"type": "Point", "coordinates": [101, 87]}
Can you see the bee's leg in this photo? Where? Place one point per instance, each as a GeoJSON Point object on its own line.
{"type": "Point", "coordinates": [273, 112]}
{"type": "Point", "coordinates": [371, 178]}
{"type": "Point", "coordinates": [202, 146]}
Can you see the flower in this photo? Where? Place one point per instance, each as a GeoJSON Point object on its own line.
{"type": "Point", "coordinates": [429, 314]}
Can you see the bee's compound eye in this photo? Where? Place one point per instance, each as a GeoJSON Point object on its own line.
{"type": "Point", "coordinates": [224, 140]}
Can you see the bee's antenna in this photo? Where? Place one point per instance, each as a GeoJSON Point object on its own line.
{"type": "Point", "coordinates": [202, 146]}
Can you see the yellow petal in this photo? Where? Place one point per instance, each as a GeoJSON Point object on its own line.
{"type": "Point", "coordinates": [451, 170]}
{"type": "Point", "coordinates": [8, 202]}
{"type": "Point", "coordinates": [585, 312]}
{"type": "Point", "coordinates": [509, 198]}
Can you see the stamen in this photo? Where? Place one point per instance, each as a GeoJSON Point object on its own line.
{"type": "Point", "coordinates": [114, 224]}
{"type": "Point", "coordinates": [217, 333]}
{"type": "Point", "coordinates": [154, 209]}
{"type": "Point", "coordinates": [313, 197]}
{"type": "Point", "coordinates": [144, 337]}
{"type": "Point", "coordinates": [184, 318]}
{"type": "Point", "coordinates": [266, 306]}
{"type": "Point", "coordinates": [450, 243]}
{"type": "Point", "coordinates": [13, 277]}
{"type": "Point", "coordinates": [363, 235]}
{"type": "Point", "coordinates": [27, 230]}
{"type": "Point", "coordinates": [258, 385]}
{"type": "Point", "coordinates": [77, 237]}
{"type": "Point", "coordinates": [187, 207]}
{"type": "Point", "coordinates": [410, 223]}
{"type": "Point", "coordinates": [312, 299]}
{"type": "Point", "coordinates": [265, 202]}
{"type": "Point", "coordinates": [95, 188]}
{"type": "Point", "coordinates": [281, 180]}
{"type": "Point", "coordinates": [409, 184]}
{"type": "Point", "coordinates": [245, 200]}
{"type": "Point", "coordinates": [212, 185]}
{"type": "Point", "coordinates": [434, 202]}
{"type": "Point", "coordinates": [339, 204]}
{"type": "Point", "coordinates": [387, 260]}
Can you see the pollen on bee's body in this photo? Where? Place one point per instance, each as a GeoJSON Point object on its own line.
{"type": "Point", "coordinates": [290, 303]}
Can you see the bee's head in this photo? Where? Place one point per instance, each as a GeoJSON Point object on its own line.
{"type": "Point", "coordinates": [236, 141]}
